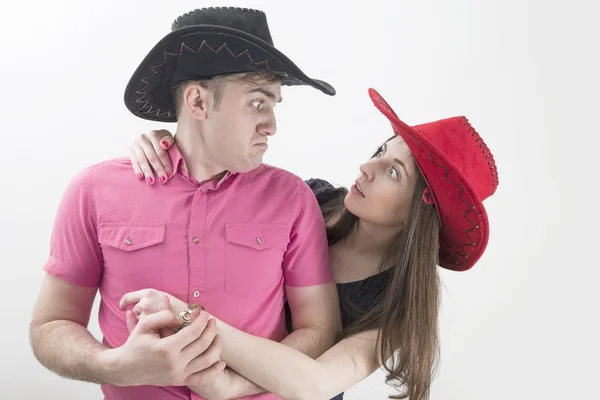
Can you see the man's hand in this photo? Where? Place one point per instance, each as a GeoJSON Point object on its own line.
{"type": "Point", "coordinates": [188, 357]}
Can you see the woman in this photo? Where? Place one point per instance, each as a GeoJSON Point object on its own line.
{"type": "Point", "coordinates": [416, 204]}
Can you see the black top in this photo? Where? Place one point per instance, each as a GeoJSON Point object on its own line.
{"type": "Point", "coordinates": [355, 297]}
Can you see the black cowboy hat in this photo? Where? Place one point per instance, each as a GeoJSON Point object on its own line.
{"type": "Point", "coordinates": [202, 44]}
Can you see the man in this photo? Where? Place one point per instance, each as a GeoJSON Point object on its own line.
{"type": "Point", "coordinates": [229, 233]}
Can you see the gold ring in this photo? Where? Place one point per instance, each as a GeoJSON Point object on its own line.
{"type": "Point", "coordinates": [186, 316]}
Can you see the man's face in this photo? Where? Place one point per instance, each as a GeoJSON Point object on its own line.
{"type": "Point", "coordinates": [237, 131]}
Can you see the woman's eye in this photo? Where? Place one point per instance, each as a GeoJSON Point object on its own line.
{"type": "Point", "coordinates": [394, 173]}
{"type": "Point", "coordinates": [379, 153]}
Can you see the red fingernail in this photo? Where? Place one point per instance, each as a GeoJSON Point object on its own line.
{"type": "Point", "coordinates": [140, 175]}
{"type": "Point", "coordinates": [150, 180]}
{"type": "Point", "coordinates": [165, 144]}
{"type": "Point", "coordinates": [168, 174]}
{"type": "Point", "coordinates": [163, 178]}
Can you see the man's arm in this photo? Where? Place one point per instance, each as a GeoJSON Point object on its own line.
{"type": "Point", "coordinates": [61, 342]}
{"type": "Point", "coordinates": [58, 334]}
{"type": "Point", "coordinates": [310, 288]}
{"type": "Point", "coordinates": [316, 318]}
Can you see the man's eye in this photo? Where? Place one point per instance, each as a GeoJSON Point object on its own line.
{"type": "Point", "coordinates": [258, 104]}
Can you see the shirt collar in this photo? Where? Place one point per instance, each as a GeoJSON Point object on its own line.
{"type": "Point", "coordinates": [178, 167]}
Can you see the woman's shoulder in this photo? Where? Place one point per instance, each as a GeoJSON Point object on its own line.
{"type": "Point", "coordinates": [325, 191]}
{"type": "Point", "coordinates": [317, 184]}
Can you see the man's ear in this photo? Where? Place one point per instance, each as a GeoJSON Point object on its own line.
{"type": "Point", "coordinates": [197, 100]}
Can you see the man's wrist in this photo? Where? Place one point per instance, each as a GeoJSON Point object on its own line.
{"type": "Point", "coordinates": [107, 365]}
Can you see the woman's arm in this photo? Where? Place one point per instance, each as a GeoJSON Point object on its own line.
{"type": "Point", "coordinates": [293, 375]}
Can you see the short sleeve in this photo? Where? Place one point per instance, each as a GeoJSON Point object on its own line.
{"type": "Point", "coordinates": [75, 254]}
{"type": "Point", "coordinates": [306, 261]}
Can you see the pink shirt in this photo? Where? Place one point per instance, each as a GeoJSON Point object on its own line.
{"type": "Point", "coordinates": [230, 245]}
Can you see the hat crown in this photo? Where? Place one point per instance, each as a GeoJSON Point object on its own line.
{"type": "Point", "coordinates": [460, 143]}
{"type": "Point", "coordinates": [253, 22]}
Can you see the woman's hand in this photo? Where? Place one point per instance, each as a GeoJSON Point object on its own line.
{"type": "Point", "coordinates": [149, 301]}
{"type": "Point", "coordinates": [148, 154]}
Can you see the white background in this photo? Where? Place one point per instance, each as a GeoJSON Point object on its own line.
{"type": "Point", "coordinates": [521, 325]}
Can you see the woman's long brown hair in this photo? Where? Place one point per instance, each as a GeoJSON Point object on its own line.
{"type": "Point", "coordinates": [407, 312]}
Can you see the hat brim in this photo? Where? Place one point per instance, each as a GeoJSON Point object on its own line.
{"type": "Point", "coordinates": [464, 229]}
{"type": "Point", "coordinates": [203, 52]}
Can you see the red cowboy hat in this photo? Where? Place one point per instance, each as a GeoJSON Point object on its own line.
{"type": "Point", "coordinates": [460, 172]}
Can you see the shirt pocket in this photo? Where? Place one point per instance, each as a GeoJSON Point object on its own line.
{"type": "Point", "coordinates": [254, 257]}
{"type": "Point", "coordinates": [133, 254]}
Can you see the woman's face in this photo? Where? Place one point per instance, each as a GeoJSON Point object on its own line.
{"type": "Point", "coordinates": [382, 193]}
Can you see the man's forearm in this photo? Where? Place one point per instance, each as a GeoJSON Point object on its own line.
{"type": "Point", "coordinates": [69, 350]}
{"type": "Point", "coordinates": [310, 341]}
{"type": "Point", "coordinates": [233, 387]}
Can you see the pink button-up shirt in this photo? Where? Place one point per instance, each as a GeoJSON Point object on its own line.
{"type": "Point", "coordinates": [230, 245]}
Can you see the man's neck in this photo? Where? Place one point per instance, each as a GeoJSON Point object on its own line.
{"type": "Point", "coordinates": [198, 162]}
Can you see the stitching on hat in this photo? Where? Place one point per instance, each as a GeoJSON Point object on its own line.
{"type": "Point", "coordinates": [154, 68]}
{"type": "Point", "coordinates": [471, 208]}
{"type": "Point", "coordinates": [485, 149]}
{"type": "Point", "coordinates": [448, 256]}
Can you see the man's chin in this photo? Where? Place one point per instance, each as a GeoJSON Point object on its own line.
{"type": "Point", "coordinates": [256, 160]}
{"type": "Point", "coordinates": [250, 166]}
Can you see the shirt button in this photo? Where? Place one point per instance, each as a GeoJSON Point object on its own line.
{"type": "Point", "coordinates": [196, 293]}
{"type": "Point", "coordinates": [202, 189]}
{"type": "Point", "coordinates": [195, 240]}
{"type": "Point", "coordinates": [258, 240]}
{"type": "Point", "coordinates": [127, 240]}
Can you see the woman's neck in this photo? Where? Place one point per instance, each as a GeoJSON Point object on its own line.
{"type": "Point", "coordinates": [370, 239]}
{"type": "Point", "coordinates": [359, 255]}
